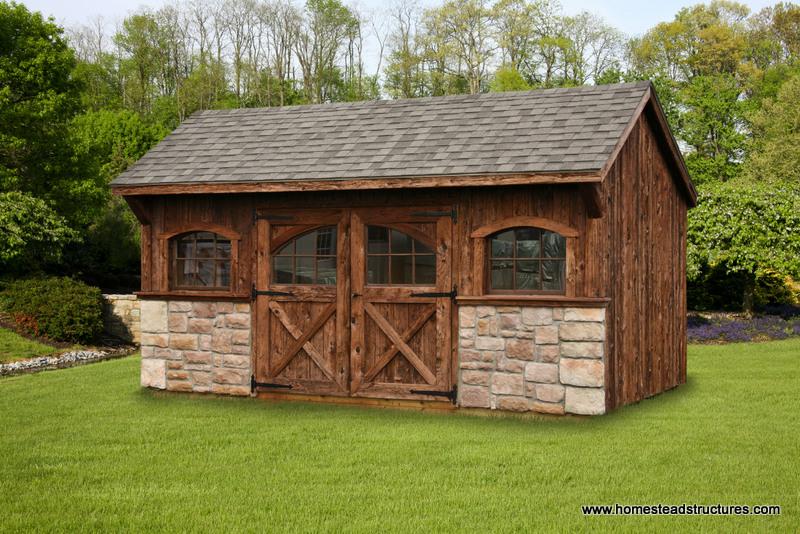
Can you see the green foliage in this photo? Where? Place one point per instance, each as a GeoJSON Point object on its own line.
{"type": "Point", "coordinates": [775, 148]}
{"type": "Point", "coordinates": [60, 309]}
{"type": "Point", "coordinates": [507, 78]}
{"type": "Point", "coordinates": [738, 232]}
{"type": "Point", "coordinates": [32, 234]}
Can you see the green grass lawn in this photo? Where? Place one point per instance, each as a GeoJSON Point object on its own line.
{"type": "Point", "coordinates": [86, 448]}
{"type": "Point", "coordinates": [15, 347]}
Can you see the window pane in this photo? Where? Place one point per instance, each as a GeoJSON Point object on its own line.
{"type": "Point", "coordinates": [528, 243]}
{"type": "Point", "coordinates": [306, 244]}
{"type": "Point", "coordinates": [223, 274]}
{"type": "Point", "coordinates": [223, 249]}
{"type": "Point", "coordinates": [425, 269]}
{"type": "Point", "coordinates": [185, 274]}
{"type": "Point", "coordinates": [553, 275]}
{"type": "Point", "coordinates": [502, 275]}
{"type": "Point", "coordinates": [555, 246]}
{"type": "Point", "coordinates": [421, 248]}
{"type": "Point", "coordinates": [401, 243]}
{"type": "Point", "coordinates": [205, 273]}
{"type": "Point", "coordinates": [283, 270]}
{"type": "Point", "coordinates": [527, 275]}
{"type": "Point", "coordinates": [401, 269]}
{"type": "Point", "coordinates": [204, 235]}
{"type": "Point", "coordinates": [326, 242]}
{"type": "Point", "coordinates": [326, 271]}
{"type": "Point", "coordinates": [503, 245]}
{"type": "Point", "coordinates": [205, 248]}
{"type": "Point", "coordinates": [286, 249]}
{"type": "Point", "coordinates": [377, 240]}
{"type": "Point", "coordinates": [377, 269]}
{"type": "Point", "coordinates": [305, 270]}
{"type": "Point", "coordinates": [186, 248]}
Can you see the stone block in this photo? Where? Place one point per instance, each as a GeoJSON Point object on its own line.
{"type": "Point", "coordinates": [489, 343]}
{"type": "Point", "coordinates": [513, 404]}
{"type": "Point", "coordinates": [204, 309]}
{"type": "Point", "coordinates": [180, 306]}
{"type": "Point", "coordinates": [537, 316]}
{"type": "Point", "coordinates": [194, 357]}
{"type": "Point", "coordinates": [585, 401]}
{"type": "Point", "coordinates": [201, 326]}
{"type": "Point", "coordinates": [510, 366]}
{"type": "Point", "coordinates": [466, 333]}
{"type": "Point", "coordinates": [477, 366]}
{"type": "Point", "coordinates": [241, 308]}
{"type": "Point", "coordinates": [154, 316]}
{"type": "Point", "coordinates": [467, 343]}
{"type": "Point", "coordinates": [155, 340]}
{"type": "Point", "coordinates": [581, 372]}
{"type": "Point", "coordinates": [179, 385]}
{"type": "Point", "coordinates": [543, 373]}
{"type": "Point", "coordinates": [231, 376]}
{"type": "Point", "coordinates": [183, 341]}
{"type": "Point", "coordinates": [237, 320]}
{"type": "Point", "coordinates": [550, 392]}
{"type": "Point", "coordinates": [546, 353]}
{"type": "Point", "coordinates": [167, 354]}
{"type": "Point", "coordinates": [204, 341]}
{"type": "Point", "coordinates": [548, 407]}
{"type": "Point", "coordinates": [466, 317]}
{"type": "Point", "coordinates": [230, 389]}
{"type": "Point", "coordinates": [507, 384]}
{"type": "Point", "coordinates": [240, 337]}
{"type": "Point", "coordinates": [153, 374]}
{"type": "Point", "coordinates": [202, 378]}
{"type": "Point", "coordinates": [147, 351]}
{"type": "Point", "coordinates": [474, 397]}
{"type": "Point", "coordinates": [582, 332]}
{"type": "Point", "coordinates": [177, 374]}
{"type": "Point", "coordinates": [521, 349]}
{"type": "Point", "coordinates": [178, 322]}
{"type": "Point", "coordinates": [558, 314]}
{"type": "Point", "coordinates": [585, 314]}
{"type": "Point", "coordinates": [509, 321]}
{"type": "Point", "coordinates": [226, 307]}
{"type": "Point", "coordinates": [175, 364]}
{"type": "Point", "coordinates": [236, 361]}
{"type": "Point", "coordinates": [485, 311]}
{"type": "Point", "coordinates": [487, 326]}
{"type": "Point", "coordinates": [476, 378]}
{"type": "Point", "coordinates": [582, 349]}
{"type": "Point", "coordinates": [221, 341]}
{"type": "Point", "coordinates": [546, 335]}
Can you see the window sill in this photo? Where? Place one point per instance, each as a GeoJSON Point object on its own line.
{"type": "Point", "coordinates": [551, 301]}
{"type": "Point", "coordinates": [192, 295]}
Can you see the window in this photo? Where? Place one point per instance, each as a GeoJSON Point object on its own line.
{"type": "Point", "coordinates": [307, 259]}
{"type": "Point", "coordinates": [201, 260]}
{"type": "Point", "coordinates": [395, 258]}
{"type": "Point", "coordinates": [528, 260]}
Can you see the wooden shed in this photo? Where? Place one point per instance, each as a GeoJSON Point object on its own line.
{"type": "Point", "coordinates": [517, 251]}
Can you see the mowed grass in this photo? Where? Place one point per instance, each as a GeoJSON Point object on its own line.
{"type": "Point", "coordinates": [87, 449]}
{"type": "Point", "coordinates": [14, 347]}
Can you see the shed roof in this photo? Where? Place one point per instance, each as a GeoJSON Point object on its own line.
{"type": "Point", "coordinates": [572, 131]}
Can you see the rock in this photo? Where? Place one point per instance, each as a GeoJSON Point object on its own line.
{"type": "Point", "coordinates": [474, 397]}
{"type": "Point", "coordinates": [582, 349]}
{"type": "Point", "coordinates": [537, 316]}
{"type": "Point", "coordinates": [466, 317]}
{"type": "Point", "coordinates": [521, 349]}
{"type": "Point", "coordinates": [547, 407]}
{"type": "Point", "coordinates": [585, 401]}
{"type": "Point", "coordinates": [153, 374]}
{"type": "Point", "coordinates": [550, 392]}
{"type": "Point", "coordinates": [543, 373]}
{"type": "Point", "coordinates": [507, 384]}
{"type": "Point", "coordinates": [582, 332]}
{"type": "Point", "coordinates": [546, 335]}
{"type": "Point", "coordinates": [581, 372]}
{"type": "Point", "coordinates": [476, 378]}
{"type": "Point", "coordinates": [489, 343]}
{"type": "Point", "coordinates": [513, 404]}
{"type": "Point", "coordinates": [585, 314]}
{"type": "Point", "coordinates": [153, 316]}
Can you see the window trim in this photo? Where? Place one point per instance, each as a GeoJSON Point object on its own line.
{"type": "Point", "coordinates": [292, 235]}
{"type": "Point", "coordinates": [165, 244]}
{"type": "Point", "coordinates": [481, 237]}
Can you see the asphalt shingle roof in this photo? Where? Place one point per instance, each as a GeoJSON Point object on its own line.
{"type": "Point", "coordinates": [552, 130]}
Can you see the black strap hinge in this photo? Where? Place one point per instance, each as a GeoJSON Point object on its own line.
{"type": "Point", "coordinates": [449, 294]}
{"type": "Point", "coordinates": [255, 292]}
{"type": "Point", "coordinates": [452, 395]}
{"type": "Point", "coordinates": [453, 214]}
{"type": "Point", "coordinates": [254, 385]}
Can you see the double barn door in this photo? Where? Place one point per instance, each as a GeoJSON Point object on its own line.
{"type": "Point", "coordinates": [354, 303]}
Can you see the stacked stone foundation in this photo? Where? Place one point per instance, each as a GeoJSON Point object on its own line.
{"type": "Point", "coordinates": [540, 359]}
{"type": "Point", "coordinates": [202, 347]}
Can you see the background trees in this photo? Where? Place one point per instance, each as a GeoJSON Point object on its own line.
{"type": "Point", "coordinates": [77, 108]}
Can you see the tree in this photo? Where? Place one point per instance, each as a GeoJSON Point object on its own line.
{"type": "Point", "coordinates": [507, 78]}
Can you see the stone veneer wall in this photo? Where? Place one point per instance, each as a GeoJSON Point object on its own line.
{"type": "Point", "coordinates": [547, 360]}
{"type": "Point", "coordinates": [121, 316]}
{"type": "Point", "coordinates": [196, 346]}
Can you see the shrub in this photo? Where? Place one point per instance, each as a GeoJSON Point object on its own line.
{"type": "Point", "coordinates": [60, 309]}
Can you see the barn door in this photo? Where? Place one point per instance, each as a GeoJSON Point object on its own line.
{"type": "Point", "coordinates": [401, 304]}
{"type": "Point", "coordinates": [302, 303]}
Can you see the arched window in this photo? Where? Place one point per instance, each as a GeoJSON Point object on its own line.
{"type": "Point", "coordinates": [200, 260]}
{"type": "Point", "coordinates": [396, 258]}
{"type": "Point", "coordinates": [307, 259]}
{"type": "Point", "coordinates": [527, 260]}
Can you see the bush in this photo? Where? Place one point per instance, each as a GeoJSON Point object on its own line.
{"type": "Point", "coordinates": [60, 309]}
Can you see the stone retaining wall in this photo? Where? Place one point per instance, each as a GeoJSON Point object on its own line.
{"type": "Point", "coordinates": [121, 317]}
{"type": "Point", "coordinates": [547, 360]}
{"type": "Point", "coordinates": [196, 346]}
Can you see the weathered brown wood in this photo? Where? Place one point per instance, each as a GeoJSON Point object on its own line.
{"type": "Point", "coordinates": [358, 184]}
{"type": "Point", "coordinates": [593, 198]}
{"type": "Point", "coordinates": [302, 339]}
{"type": "Point", "coordinates": [546, 301]}
{"type": "Point", "coordinates": [519, 221]}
